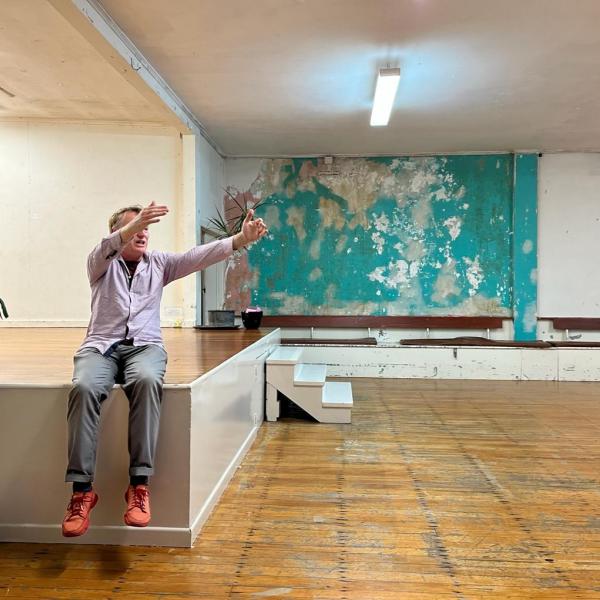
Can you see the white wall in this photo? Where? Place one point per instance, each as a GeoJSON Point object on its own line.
{"type": "Point", "coordinates": [210, 185]}
{"type": "Point", "coordinates": [241, 172]}
{"type": "Point", "coordinates": [59, 183]}
{"type": "Point", "coordinates": [569, 235]}
{"type": "Point", "coordinates": [210, 179]}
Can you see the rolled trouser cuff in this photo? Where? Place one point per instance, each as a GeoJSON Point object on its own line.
{"type": "Point", "coordinates": [147, 471]}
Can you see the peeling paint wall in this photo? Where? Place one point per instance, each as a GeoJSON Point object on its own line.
{"type": "Point", "coordinates": [381, 236]}
{"type": "Point", "coordinates": [525, 247]}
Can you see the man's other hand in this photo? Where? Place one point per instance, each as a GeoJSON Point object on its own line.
{"type": "Point", "coordinates": [252, 230]}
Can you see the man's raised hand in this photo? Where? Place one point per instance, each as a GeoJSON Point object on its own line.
{"type": "Point", "coordinates": [150, 214]}
{"type": "Point", "coordinates": [252, 230]}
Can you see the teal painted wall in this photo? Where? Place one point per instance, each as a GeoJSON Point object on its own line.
{"type": "Point", "coordinates": [382, 236]}
{"type": "Point", "coordinates": [525, 247]}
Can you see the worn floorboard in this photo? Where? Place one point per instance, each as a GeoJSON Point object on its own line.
{"type": "Point", "coordinates": [438, 490]}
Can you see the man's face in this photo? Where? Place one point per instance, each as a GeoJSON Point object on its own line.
{"type": "Point", "coordinates": [135, 249]}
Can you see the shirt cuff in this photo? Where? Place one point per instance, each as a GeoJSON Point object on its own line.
{"type": "Point", "coordinates": [231, 248]}
{"type": "Point", "coordinates": [115, 243]}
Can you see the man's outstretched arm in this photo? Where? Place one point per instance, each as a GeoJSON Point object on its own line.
{"type": "Point", "coordinates": [201, 257]}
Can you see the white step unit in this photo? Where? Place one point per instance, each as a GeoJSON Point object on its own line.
{"type": "Point", "coordinates": [305, 385]}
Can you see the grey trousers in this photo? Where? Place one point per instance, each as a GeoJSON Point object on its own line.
{"type": "Point", "coordinates": [140, 370]}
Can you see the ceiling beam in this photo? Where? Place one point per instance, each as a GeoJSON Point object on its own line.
{"type": "Point", "coordinates": [92, 21]}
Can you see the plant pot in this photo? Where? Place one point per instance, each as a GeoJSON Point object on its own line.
{"type": "Point", "coordinates": [221, 318]}
{"type": "Point", "coordinates": [251, 318]}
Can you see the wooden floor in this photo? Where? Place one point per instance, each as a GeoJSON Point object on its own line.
{"type": "Point", "coordinates": [438, 490]}
{"type": "Point", "coordinates": [45, 355]}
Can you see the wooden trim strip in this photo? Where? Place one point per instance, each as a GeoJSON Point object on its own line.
{"type": "Point", "coordinates": [400, 322]}
{"type": "Point", "coordinates": [581, 323]}
{"type": "Point", "coordinates": [368, 341]}
{"type": "Point", "coordinates": [468, 341]}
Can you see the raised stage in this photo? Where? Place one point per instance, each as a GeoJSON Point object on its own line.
{"type": "Point", "coordinates": [212, 408]}
{"type": "Point", "coordinates": [44, 355]}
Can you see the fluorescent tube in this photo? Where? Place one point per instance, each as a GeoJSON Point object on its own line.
{"type": "Point", "coordinates": [385, 92]}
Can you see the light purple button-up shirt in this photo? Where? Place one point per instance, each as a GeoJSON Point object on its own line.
{"type": "Point", "coordinates": [120, 311]}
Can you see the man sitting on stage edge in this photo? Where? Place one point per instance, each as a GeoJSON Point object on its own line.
{"type": "Point", "coordinates": [124, 342]}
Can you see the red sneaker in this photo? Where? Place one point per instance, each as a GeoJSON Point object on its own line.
{"type": "Point", "coordinates": [77, 519]}
{"type": "Point", "coordinates": [138, 506]}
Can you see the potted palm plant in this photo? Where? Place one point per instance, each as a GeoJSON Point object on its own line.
{"type": "Point", "coordinates": [227, 224]}
{"type": "Point", "coordinates": [231, 220]}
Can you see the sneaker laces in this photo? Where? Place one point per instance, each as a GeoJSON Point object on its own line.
{"type": "Point", "coordinates": [138, 498]}
{"type": "Point", "coordinates": [76, 506]}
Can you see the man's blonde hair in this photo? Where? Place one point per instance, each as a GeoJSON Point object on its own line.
{"type": "Point", "coordinates": [116, 217]}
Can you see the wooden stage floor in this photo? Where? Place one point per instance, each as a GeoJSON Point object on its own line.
{"type": "Point", "coordinates": [44, 355]}
{"type": "Point", "coordinates": [439, 490]}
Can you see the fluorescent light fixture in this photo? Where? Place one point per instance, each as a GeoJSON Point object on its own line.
{"type": "Point", "coordinates": [385, 92]}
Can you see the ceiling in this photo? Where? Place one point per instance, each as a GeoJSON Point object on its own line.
{"type": "Point", "coordinates": [51, 72]}
{"type": "Point", "coordinates": [296, 77]}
